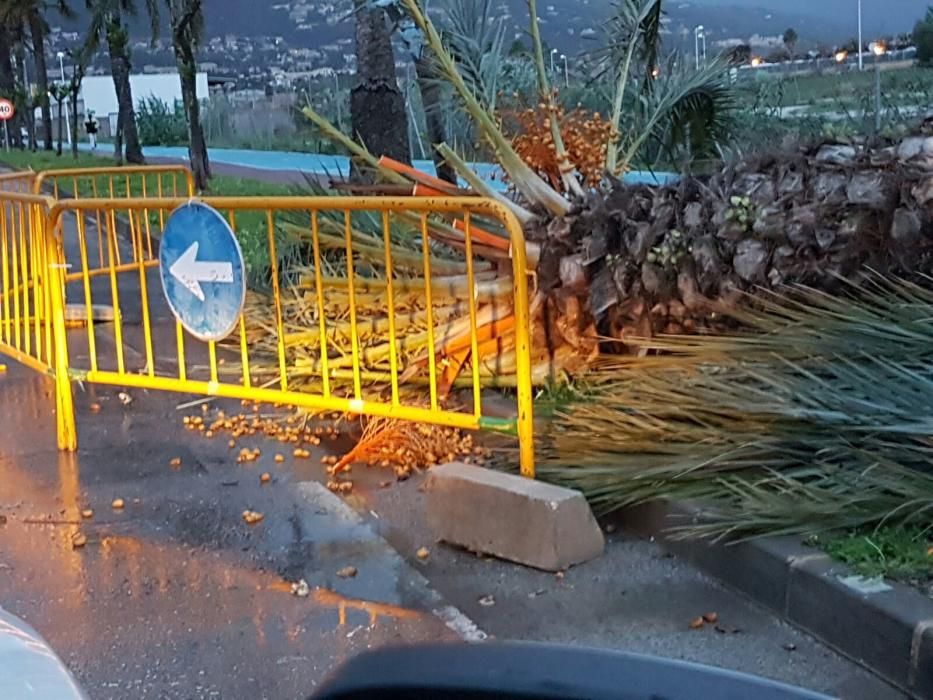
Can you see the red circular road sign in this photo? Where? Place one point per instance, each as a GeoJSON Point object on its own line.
{"type": "Point", "coordinates": [7, 110]}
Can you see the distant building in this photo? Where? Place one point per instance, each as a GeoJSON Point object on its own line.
{"type": "Point", "coordinates": [100, 97]}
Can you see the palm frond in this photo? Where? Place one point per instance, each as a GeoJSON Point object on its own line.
{"type": "Point", "coordinates": [817, 418]}
{"type": "Point", "coordinates": [685, 105]}
{"type": "Point", "coordinates": [477, 42]}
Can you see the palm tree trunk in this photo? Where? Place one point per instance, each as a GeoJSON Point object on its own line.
{"type": "Point", "coordinates": [432, 99]}
{"type": "Point", "coordinates": [377, 108]}
{"type": "Point", "coordinates": [28, 114]}
{"type": "Point", "coordinates": [118, 140]}
{"type": "Point", "coordinates": [73, 99]}
{"type": "Point", "coordinates": [61, 126]}
{"type": "Point", "coordinates": [8, 82]}
{"type": "Point", "coordinates": [188, 70]}
{"type": "Point", "coordinates": [42, 77]}
{"type": "Point", "coordinates": [117, 43]}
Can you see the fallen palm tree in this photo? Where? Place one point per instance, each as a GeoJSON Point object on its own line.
{"type": "Point", "coordinates": [814, 419]}
{"type": "Point", "coordinates": [613, 261]}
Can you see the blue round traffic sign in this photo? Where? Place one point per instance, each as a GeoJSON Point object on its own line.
{"type": "Point", "coordinates": [202, 271]}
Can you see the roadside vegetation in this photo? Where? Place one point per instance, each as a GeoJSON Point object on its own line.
{"type": "Point", "coordinates": [901, 554]}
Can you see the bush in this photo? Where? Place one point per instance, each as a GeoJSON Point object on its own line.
{"type": "Point", "coordinates": [161, 125]}
{"type": "Point", "coordinates": [923, 39]}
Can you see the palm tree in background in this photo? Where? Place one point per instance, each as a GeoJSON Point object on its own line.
{"type": "Point", "coordinates": [187, 23]}
{"type": "Point", "coordinates": [31, 16]}
{"type": "Point", "coordinates": [377, 107]}
{"type": "Point", "coordinates": [108, 22]}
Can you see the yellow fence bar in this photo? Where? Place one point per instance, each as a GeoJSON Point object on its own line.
{"type": "Point", "coordinates": [135, 180]}
{"type": "Point", "coordinates": [353, 349]}
{"type": "Point", "coordinates": [338, 213]}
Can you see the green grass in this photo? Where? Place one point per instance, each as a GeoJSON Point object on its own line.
{"type": "Point", "coordinates": [897, 553]}
{"type": "Point", "coordinates": [251, 226]}
{"type": "Point", "coordinates": [905, 86]}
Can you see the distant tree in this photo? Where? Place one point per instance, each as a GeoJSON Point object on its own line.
{"type": "Point", "coordinates": [108, 22]}
{"type": "Point", "coordinates": [517, 48]}
{"type": "Point", "coordinates": [740, 55]}
{"type": "Point", "coordinates": [60, 92]}
{"type": "Point", "coordinates": [80, 60]}
{"type": "Point", "coordinates": [790, 40]}
{"type": "Point", "coordinates": [923, 39]}
{"type": "Point", "coordinates": [777, 56]}
{"type": "Point", "coordinates": [31, 14]}
{"type": "Point", "coordinates": [187, 21]}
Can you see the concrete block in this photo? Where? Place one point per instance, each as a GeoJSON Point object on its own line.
{"type": "Point", "coordinates": [511, 517]}
{"type": "Point", "coordinates": [921, 672]}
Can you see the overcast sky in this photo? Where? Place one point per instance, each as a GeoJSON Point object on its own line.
{"type": "Point", "coordinates": [878, 16]}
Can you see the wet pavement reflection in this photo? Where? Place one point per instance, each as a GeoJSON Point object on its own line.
{"type": "Point", "coordinates": [174, 595]}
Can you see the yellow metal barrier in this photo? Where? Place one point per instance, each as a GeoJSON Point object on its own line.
{"type": "Point", "coordinates": [32, 298]}
{"type": "Point", "coordinates": [369, 252]}
{"type": "Point", "coordinates": [21, 181]}
{"type": "Point", "coordinates": [126, 182]}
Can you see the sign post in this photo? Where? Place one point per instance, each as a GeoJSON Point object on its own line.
{"type": "Point", "coordinates": [7, 112]}
{"type": "Point", "coordinates": [202, 270]}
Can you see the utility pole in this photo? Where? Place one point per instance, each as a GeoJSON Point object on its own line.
{"type": "Point", "coordinates": [861, 65]}
{"type": "Point", "coordinates": [61, 64]}
{"type": "Point", "coordinates": [697, 34]}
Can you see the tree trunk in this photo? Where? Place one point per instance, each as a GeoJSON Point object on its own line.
{"type": "Point", "coordinates": [197, 146]}
{"type": "Point", "coordinates": [76, 81]}
{"type": "Point", "coordinates": [117, 42]}
{"type": "Point", "coordinates": [640, 261]}
{"type": "Point", "coordinates": [28, 115]}
{"type": "Point", "coordinates": [42, 76]}
{"type": "Point", "coordinates": [8, 84]}
{"type": "Point", "coordinates": [432, 95]}
{"type": "Point", "coordinates": [118, 141]}
{"type": "Point", "coordinates": [377, 108]}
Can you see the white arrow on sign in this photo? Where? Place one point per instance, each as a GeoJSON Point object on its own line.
{"type": "Point", "coordinates": [191, 272]}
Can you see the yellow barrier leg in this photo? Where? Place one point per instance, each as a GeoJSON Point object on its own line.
{"type": "Point", "coordinates": [64, 401]}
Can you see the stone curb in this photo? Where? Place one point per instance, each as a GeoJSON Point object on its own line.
{"type": "Point", "coordinates": [886, 627]}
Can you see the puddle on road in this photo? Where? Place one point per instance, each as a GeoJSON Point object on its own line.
{"type": "Point", "coordinates": [134, 579]}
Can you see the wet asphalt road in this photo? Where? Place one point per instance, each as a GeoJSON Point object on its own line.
{"type": "Point", "coordinates": [174, 596]}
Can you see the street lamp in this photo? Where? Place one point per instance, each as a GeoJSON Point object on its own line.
{"type": "Point", "coordinates": [756, 61]}
{"type": "Point", "coordinates": [841, 56]}
{"type": "Point", "coordinates": [860, 64]}
{"type": "Point", "coordinates": [698, 34]}
{"type": "Point", "coordinates": [61, 64]}
{"type": "Point", "coordinates": [554, 52]}
{"type": "Point", "coordinates": [879, 49]}
{"type": "Point", "coordinates": [563, 57]}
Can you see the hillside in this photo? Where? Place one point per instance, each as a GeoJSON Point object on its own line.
{"type": "Point", "coordinates": [323, 29]}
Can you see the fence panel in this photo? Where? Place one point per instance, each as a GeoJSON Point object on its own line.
{"type": "Point", "coordinates": [32, 278]}
{"type": "Point", "coordinates": [352, 302]}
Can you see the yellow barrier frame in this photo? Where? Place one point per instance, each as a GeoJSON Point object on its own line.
{"type": "Point", "coordinates": [32, 298]}
{"type": "Point", "coordinates": [325, 401]}
{"type": "Point", "coordinates": [124, 174]}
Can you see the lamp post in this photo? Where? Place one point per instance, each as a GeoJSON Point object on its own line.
{"type": "Point", "coordinates": [861, 65]}
{"type": "Point", "coordinates": [878, 48]}
{"type": "Point", "coordinates": [61, 64]}
{"type": "Point", "coordinates": [563, 57]}
{"type": "Point", "coordinates": [553, 54]}
{"type": "Point", "coordinates": [697, 35]}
